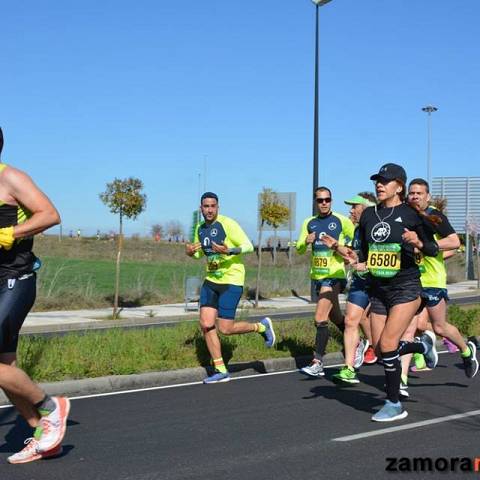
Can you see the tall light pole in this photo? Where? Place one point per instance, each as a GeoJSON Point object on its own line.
{"type": "Point", "coordinates": [318, 4]}
{"type": "Point", "coordinates": [429, 109]}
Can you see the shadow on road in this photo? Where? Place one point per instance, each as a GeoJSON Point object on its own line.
{"type": "Point", "coordinates": [20, 431]}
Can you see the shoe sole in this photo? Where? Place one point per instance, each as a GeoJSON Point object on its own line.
{"type": "Point", "coordinates": [64, 405]}
{"type": "Point", "coordinates": [51, 453]}
{"type": "Point", "coordinates": [404, 394]}
{"type": "Point", "coordinates": [403, 415]}
{"type": "Point", "coordinates": [341, 381]}
{"type": "Point", "coordinates": [223, 380]}
{"type": "Point", "coordinates": [415, 370]}
{"type": "Point", "coordinates": [316, 375]}
{"type": "Point", "coordinates": [473, 348]}
{"type": "Point", "coordinates": [272, 331]}
{"type": "Point", "coordinates": [432, 337]}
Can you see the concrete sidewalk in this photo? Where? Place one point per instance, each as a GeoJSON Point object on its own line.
{"type": "Point", "coordinates": [156, 314]}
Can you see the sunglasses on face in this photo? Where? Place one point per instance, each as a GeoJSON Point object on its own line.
{"type": "Point", "coordinates": [323, 200]}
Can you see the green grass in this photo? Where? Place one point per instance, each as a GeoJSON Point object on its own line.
{"type": "Point", "coordinates": [81, 273]}
{"type": "Point", "coordinates": [123, 352]}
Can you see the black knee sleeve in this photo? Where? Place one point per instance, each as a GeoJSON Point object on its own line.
{"type": "Point", "coordinates": [321, 339]}
{"type": "Point", "coordinates": [207, 329]}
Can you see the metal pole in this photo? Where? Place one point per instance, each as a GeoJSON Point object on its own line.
{"type": "Point", "coordinates": [429, 109]}
{"type": "Point", "coordinates": [315, 115]}
{"type": "Point", "coordinates": [429, 152]}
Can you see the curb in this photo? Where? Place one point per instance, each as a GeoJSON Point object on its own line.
{"type": "Point", "coordinates": [118, 383]}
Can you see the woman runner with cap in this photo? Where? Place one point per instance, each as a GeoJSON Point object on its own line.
{"type": "Point", "coordinates": [388, 236]}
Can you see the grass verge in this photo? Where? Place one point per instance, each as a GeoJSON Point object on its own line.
{"type": "Point", "coordinates": [123, 352]}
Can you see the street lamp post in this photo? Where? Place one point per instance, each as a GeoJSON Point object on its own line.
{"type": "Point", "coordinates": [318, 4]}
{"type": "Point", "coordinates": [429, 109]}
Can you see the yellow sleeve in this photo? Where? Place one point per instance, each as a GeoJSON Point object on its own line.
{"type": "Point", "coordinates": [348, 230]}
{"type": "Point", "coordinates": [196, 239]}
{"type": "Point", "coordinates": [301, 244]}
{"type": "Point", "coordinates": [238, 237]}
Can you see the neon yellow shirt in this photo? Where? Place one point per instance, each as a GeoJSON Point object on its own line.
{"type": "Point", "coordinates": [325, 262]}
{"type": "Point", "coordinates": [224, 269]}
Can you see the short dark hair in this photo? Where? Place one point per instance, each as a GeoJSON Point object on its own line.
{"type": "Point", "coordinates": [209, 195]}
{"type": "Point", "coordinates": [369, 196]}
{"type": "Point", "coordinates": [420, 181]}
{"type": "Point", "coordinates": [322, 189]}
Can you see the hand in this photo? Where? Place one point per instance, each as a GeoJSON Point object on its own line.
{"type": "Point", "coordinates": [360, 267]}
{"type": "Point", "coordinates": [6, 238]}
{"type": "Point", "coordinates": [220, 248]}
{"type": "Point", "coordinates": [412, 238]}
{"type": "Point", "coordinates": [350, 256]}
{"type": "Point", "coordinates": [191, 248]}
{"type": "Point", "coordinates": [329, 241]}
{"type": "Point", "coordinates": [310, 238]}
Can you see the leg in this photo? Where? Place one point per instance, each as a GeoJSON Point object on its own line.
{"type": "Point", "coordinates": [26, 409]}
{"type": "Point", "coordinates": [398, 320]}
{"type": "Point", "coordinates": [336, 315]}
{"type": "Point", "coordinates": [326, 299]}
{"type": "Point", "coordinates": [365, 324]}
{"type": "Point", "coordinates": [377, 322]}
{"type": "Point", "coordinates": [351, 337]}
{"type": "Point", "coordinates": [208, 316]}
{"type": "Point", "coordinates": [408, 336]}
{"type": "Point", "coordinates": [438, 316]}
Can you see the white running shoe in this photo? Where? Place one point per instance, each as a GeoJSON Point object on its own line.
{"type": "Point", "coordinates": [54, 425]}
{"type": "Point", "coordinates": [315, 369]}
{"type": "Point", "coordinates": [30, 453]}
{"type": "Point", "coordinates": [362, 346]}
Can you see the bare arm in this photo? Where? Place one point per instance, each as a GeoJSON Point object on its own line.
{"type": "Point", "coordinates": [23, 190]}
{"type": "Point", "coordinates": [451, 242]}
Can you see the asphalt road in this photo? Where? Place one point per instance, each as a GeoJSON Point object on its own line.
{"type": "Point", "coordinates": [280, 427]}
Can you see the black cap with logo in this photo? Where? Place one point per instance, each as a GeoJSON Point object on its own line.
{"type": "Point", "coordinates": [391, 171]}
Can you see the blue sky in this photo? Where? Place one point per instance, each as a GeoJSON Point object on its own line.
{"type": "Point", "coordinates": [94, 90]}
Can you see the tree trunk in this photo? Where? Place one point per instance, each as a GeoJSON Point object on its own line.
{"type": "Point", "coordinates": [117, 269]}
{"type": "Point", "coordinates": [257, 287]}
{"type": "Point", "coordinates": [275, 250]}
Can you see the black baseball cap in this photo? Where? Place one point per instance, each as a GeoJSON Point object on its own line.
{"type": "Point", "coordinates": [391, 171]}
{"type": "Point", "coordinates": [208, 195]}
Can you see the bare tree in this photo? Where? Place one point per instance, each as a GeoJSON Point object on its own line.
{"type": "Point", "coordinates": [174, 229]}
{"type": "Point", "coordinates": [157, 231]}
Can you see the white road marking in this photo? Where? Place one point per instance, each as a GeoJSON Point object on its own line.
{"type": "Point", "coordinates": [178, 385]}
{"type": "Point", "coordinates": [408, 426]}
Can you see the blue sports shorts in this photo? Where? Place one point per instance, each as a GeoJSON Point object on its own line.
{"type": "Point", "coordinates": [222, 297]}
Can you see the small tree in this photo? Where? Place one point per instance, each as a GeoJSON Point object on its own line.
{"type": "Point", "coordinates": [157, 231]}
{"type": "Point", "coordinates": [274, 213]}
{"type": "Point", "coordinates": [125, 198]}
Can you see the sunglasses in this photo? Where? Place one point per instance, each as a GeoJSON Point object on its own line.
{"type": "Point", "coordinates": [323, 200]}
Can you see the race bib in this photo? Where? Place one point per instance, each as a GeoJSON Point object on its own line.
{"type": "Point", "coordinates": [420, 261]}
{"type": "Point", "coordinates": [321, 262]}
{"type": "Point", "coordinates": [214, 266]}
{"type": "Point", "coordinates": [384, 259]}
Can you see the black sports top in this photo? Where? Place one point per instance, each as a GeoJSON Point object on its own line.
{"type": "Point", "coordinates": [388, 257]}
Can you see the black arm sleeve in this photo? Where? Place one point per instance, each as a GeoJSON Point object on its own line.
{"type": "Point", "coordinates": [444, 228]}
{"type": "Point", "coordinates": [430, 246]}
{"type": "Point", "coordinates": [362, 238]}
